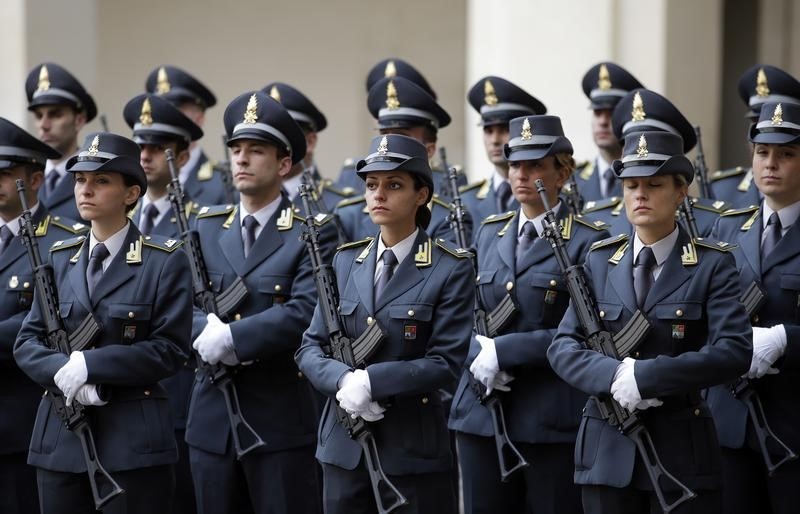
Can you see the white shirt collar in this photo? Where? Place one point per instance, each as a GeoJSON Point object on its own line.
{"type": "Point", "coordinates": [497, 179]}
{"type": "Point", "coordinates": [661, 248]}
{"type": "Point", "coordinates": [538, 221]}
{"type": "Point", "coordinates": [162, 204]}
{"type": "Point", "coordinates": [16, 223]}
{"type": "Point", "coordinates": [291, 184]}
{"type": "Point", "coordinates": [113, 244]}
{"type": "Point", "coordinates": [400, 250]}
{"type": "Point", "coordinates": [186, 169]}
{"type": "Point", "coordinates": [262, 215]}
{"type": "Point", "coordinates": [788, 215]}
{"type": "Point", "coordinates": [61, 167]}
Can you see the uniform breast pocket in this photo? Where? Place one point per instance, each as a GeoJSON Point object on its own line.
{"type": "Point", "coordinates": [611, 315]}
{"type": "Point", "coordinates": [215, 280]}
{"type": "Point", "coordinates": [347, 310]}
{"type": "Point", "coordinates": [129, 322]}
{"type": "Point", "coordinates": [790, 284]}
{"type": "Point", "coordinates": [484, 279]}
{"type": "Point", "coordinates": [277, 288]}
{"type": "Point", "coordinates": [20, 287]}
{"type": "Point", "coordinates": [411, 324]}
{"type": "Point", "coordinates": [550, 297]}
{"type": "Point", "coordinates": [683, 324]}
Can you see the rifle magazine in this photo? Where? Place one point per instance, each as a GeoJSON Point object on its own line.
{"type": "Point", "coordinates": [230, 298]}
{"type": "Point", "coordinates": [633, 333]}
{"type": "Point", "coordinates": [84, 334]}
{"type": "Point", "coordinates": [367, 343]}
{"type": "Point", "coordinates": [500, 315]}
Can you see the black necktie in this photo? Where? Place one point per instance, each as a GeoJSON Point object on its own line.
{"type": "Point", "coordinates": [95, 268]}
{"type": "Point", "coordinates": [389, 261]}
{"type": "Point", "coordinates": [643, 274]}
{"type": "Point", "coordinates": [250, 224]}
{"type": "Point", "coordinates": [52, 180]}
{"type": "Point", "coordinates": [149, 215]}
{"type": "Point", "coordinates": [503, 194]}
{"type": "Point", "coordinates": [772, 234]}
{"type": "Point", "coordinates": [525, 241]}
{"type": "Point", "coordinates": [610, 180]}
{"type": "Point", "coordinates": [5, 238]}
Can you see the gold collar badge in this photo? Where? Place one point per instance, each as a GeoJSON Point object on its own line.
{"type": "Point", "coordinates": [146, 116]}
{"type": "Point", "coordinates": [762, 87]}
{"type": "Point", "coordinates": [162, 82]}
{"type": "Point", "coordinates": [526, 133]}
{"type": "Point", "coordinates": [250, 113]}
{"type": "Point", "coordinates": [603, 78]}
{"type": "Point", "coordinates": [642, 152]}
{"type": "Point", "coordinates": [44, 79]}
{"type": "Point", "coordinates": [383, 147]}
{"type": "Point", "coordinates": [95, 146]}
{"type": "Point", "coordinates": [637, 113]}
{"type": "Point", "coordinates": [490, 97]}
{"type": "Point", "coordinates": [777, 115]}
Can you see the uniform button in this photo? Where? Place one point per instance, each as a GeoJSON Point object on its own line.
{"type": "Point", "coordinates": [679, 313]}
{"type": "Point", "coordinates": [602, 314]}
{"type": "Point", "coordinates": [425, 399]}
{"type": "Point", "coordinates": [277, 287]}
{"type": "Point", "coordinates": [697, 412]}
{"type": "Point", "coordinates": [299, 374]}
{"type": "Point", "coordinates": [131, 315]}
{"type": "Point", "coordinates": [370, 321]}
{"type": "Point", "coordinates": [636, 354]}
{"type": "Point", "coordinates": [237, 317]}
{"type": "Point", "coordinates": [411, 313]}
{"type": "Point", "coordinates": [478, 278]}
{"type": "Point", "coordinates": [755, 318]}
{"type": "Point", "coordinates": [26, 285]}
{"type": "Point", "coordinates": [553, 283]}
{"type": "Point", "coordinates": [509, 286]}
{"type": "Point", "coordinates": [147, 392]}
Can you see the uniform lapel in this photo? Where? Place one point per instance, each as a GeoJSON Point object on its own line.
{"type": "Point", "coordinates": [750, 242]}
{"type": "Point", "coordinates": [16, 249]}
{"type": "Point", "coordinates": [672, 275]}
{"type": "Point", "coordinates": [64, 190]}
{"type": "Point", "coordinates": [268, 241]}
{"type": "Point", "coordinates": [507, 246]}
{"type": "Point", "coordinates": [788, 246]}
{"type": "Point", "coordinates": [364, 277]}
{"type": "Point", "coordinates": [621, 278]}
{"type": "Point", "coordinates": [192, 187]}
{"type": "Point", "coordinates": [231, 244]}
{"type": "Point", "coordinates": [406, 276]}
{"type": "Point", "coordinates": [119, 271]}
{"type": "Point", "coordinates": [77, 276]}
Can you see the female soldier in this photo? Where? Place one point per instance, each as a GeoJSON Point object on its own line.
{"type": "Point", "coordinates": [699, 336]}
{"type": "Point", "coordinates": [139, 291]}
{"type": "Point", "coordinates": [542, 412]}
{"type": "Point", "coordinates": [420, 292]}
{"type": "Point", "coordinates": [768, 253]}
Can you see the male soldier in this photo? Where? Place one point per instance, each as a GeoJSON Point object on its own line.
{"type": "Point", "coordinates": [758, 85]}
{"type": "Point", "coordinates": [498, 101]}
{"type": "Point", "coordinates": [158, 125]}
{"type": "Point", "coordinates": [62, 107]}
{"type": "Point", "coordinates": [390, 67]}
{"type": "Point", "coordinates": [24, 157]}
{"type": "Point", "coordinates": [766, 240]}
{"type": "Point", "coordinates": [604, 84]}
{"type": "Point", "coordinates": [402, 107]}
{"type": "Point", "coordinates": [258, 241]}
{"type": "Point", "coordinates": [644, 110]}
{"type": "Point", "coordinates": [193, 98]}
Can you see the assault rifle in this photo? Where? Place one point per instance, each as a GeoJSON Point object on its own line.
{"type": "Point", "coordinates": [687, 213]}
{"type": "Point", "coordinates": [700, 168]}
{"type": "Point", "coordinates": [354, 353]}
{"type": "Point", "coordinates": [318, 205]}
{"type": "Point", "coordinates": [224, 169]}
{"type": "Point", "coordinates": [74, 416]}
{"type": "Point", "coordinates": [222, 305]}
{"type": "Point", "coordinates": [572, 195]}
{"type": "Point", "coordinates": [752, 299]}
{"type": "Point", "coordinates": [616, 346]}
{"type": "Point", "coordinates": [508, 456]}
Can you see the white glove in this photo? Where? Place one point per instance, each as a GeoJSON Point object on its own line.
{"type": "Point", "coordinates": [87, 395]}
{"type": "Point", "coordinates": [501, 381]}
{"type": "Point", "coordinates": [354, 395]}
{"type": "Point", "coordinates": [215, 342]}
{"type": "Point", "coordinates": [485, 367]}
{"type": "Point", "coordinates": [624, 388]}
{"type": "Point", "coordinates": [646, 404]}
{"type": "Point", "coordinates": [374, 412]}
{"type": "Point", "coordinates": [768, 346]}
{"type": "Point", "coordinates": [72, 376]}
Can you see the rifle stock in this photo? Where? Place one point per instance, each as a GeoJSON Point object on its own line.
{"type": "Point", "coordinates": [104, 487]}
{"type": "Point", "coordinates": [245, 438]}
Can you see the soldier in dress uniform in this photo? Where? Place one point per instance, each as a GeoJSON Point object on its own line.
{"type": "Point", "coordinates": [158, 125]}
{"type": "Point", "coordinates": [24, 157]}
{"type": "Point", "coordinates": [604, 84]}
{"type": "Point", "coordinates": [642, 110]}
{"type": "Point", "coordinates": [498, 101]}
{"type": "Point", "coordinates": [257, 240]}
{"type": "Point", "coordinates": [62, 107]}
{"type": "Point", "coordinates": [420, 290]}
{"type": "Point", "coordinates": [139, 290]}
{"type": "Point", "coordinates": [768, 253]}
{"type": "Point", "coordinates": [542, 412]}
{"type": "Point", "coordinates": [200, 177]}
{"type": "Point", "coordinates": [698, 337]}
{"type": "Point", "coordinates": [758, 85]}
{"type": "Point", "coordinates": [402, 107]}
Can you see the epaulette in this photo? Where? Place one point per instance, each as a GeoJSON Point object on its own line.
{"type": "Point", "coordinates": [593, 224]}
{"type": "Point", "coordinates": [729, 172]}
{"type": "Point", "coordinates": [714, 244]}
{"type": "Point", "coordinates": [503, 216]}
{"type": "Point", "coordinates": [609, 241]}
{"type": "Point", "coordinates": [206, 171]}
{"type": "Point", "coordinates": [460, 253]}
{"type": "Point", "coordinates": [354, 244]}
{"type": "Point", "coordinates": [351, 201]}
{"type": "Point", "coordinates": [320, 218]}
{"type": "Point", "coordinates": [470, 187]}
{"type": "Point", "coordinates": [164, 244]}
{"type": "Point", "coordinates": [215, 210]}
{"type": "Point", "coordinates": [599, 205]}
{"type": "Point", "coordinates": [744, 210]}
{"type": "Point", "coordinates": [707, 204]}
{"type": "Point", "coordinates": [346, 192]}
{"type": "Point", "coordinates": [586, 170]}
{"type": "Point", "coordinates": [67, 243]}
{"type": "Point", "coordinates": [437, 200]}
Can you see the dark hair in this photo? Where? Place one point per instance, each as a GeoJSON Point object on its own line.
{"type": "Point", "coordinates": [430, 134]}
{"type": "Point", "coordinates": [129, 182]}
{"type": "Point", "coordinates": [423, 215]}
